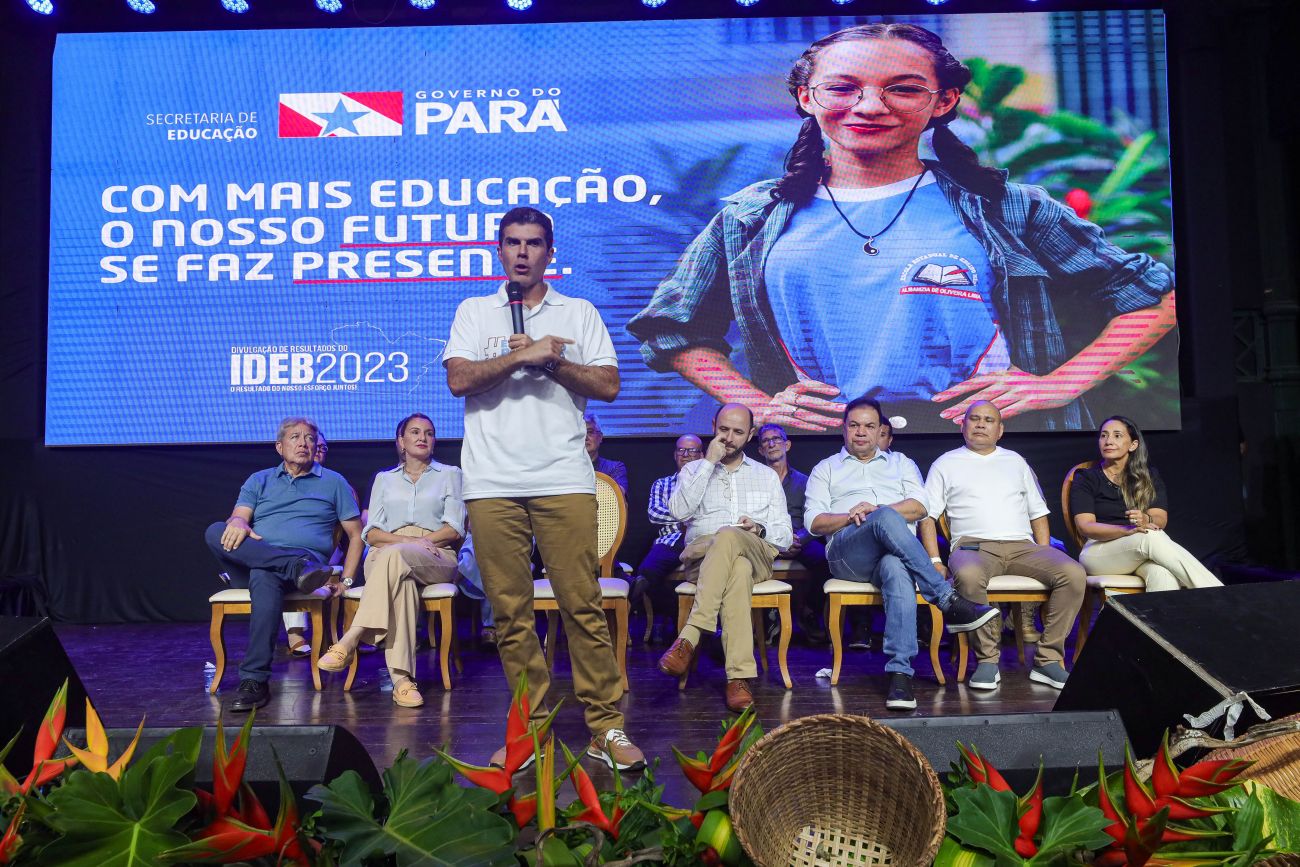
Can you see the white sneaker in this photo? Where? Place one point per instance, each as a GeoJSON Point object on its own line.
{"type": "Point", "coordinates": [986, 676]}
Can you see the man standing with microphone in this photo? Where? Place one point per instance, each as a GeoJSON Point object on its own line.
{"type": "Point", "coordinates": [526, 471]}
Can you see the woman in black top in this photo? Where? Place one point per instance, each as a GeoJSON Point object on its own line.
{"type": "Point", "coordinates": [1120, 507]}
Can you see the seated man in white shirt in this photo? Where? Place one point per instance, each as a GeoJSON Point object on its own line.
{"type": "Point", "coordinates": [736, 523]}
{"type": "Point", "coordinates": [998, 522]}
{"type": "Point", "coordinates": [867, 502]}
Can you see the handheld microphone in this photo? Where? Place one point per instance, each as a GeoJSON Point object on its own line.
{"type": "Point", "coordinates": [515, 294]}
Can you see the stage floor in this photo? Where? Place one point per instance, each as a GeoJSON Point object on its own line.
{"type": "Point", "coordinates": [156, 671]}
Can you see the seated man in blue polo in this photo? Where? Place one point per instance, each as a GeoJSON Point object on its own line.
{"type": "Point", "coordinates": [278, 540]}
{"type": "Point", "coordinates": [866, 502]}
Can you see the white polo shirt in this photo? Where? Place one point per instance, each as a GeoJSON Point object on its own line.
{"type": "Point", "coordinates": [524, 438]}
{"type": "Point", "coordinates": [990, 497]}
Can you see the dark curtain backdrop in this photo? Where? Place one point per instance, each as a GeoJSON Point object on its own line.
{"type": "Point", "coordinates": [115, 533]}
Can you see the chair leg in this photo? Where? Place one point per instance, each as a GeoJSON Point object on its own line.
{"type": "Point", "coordinates": [649, 617]}
{"type": "Point", "coordinates": [444, 641]}
{"type": "Point", "coordinates": [620, 637]}
{"type": "Point", "coordinates": [332, 615]}
{"type": "Point", "coordinates": [834, 622]}
{"type": "Point", "coordinates": [963, 656]}
{"type": "Point", "coordinates": [455, 636]}
{"type": "Point", "coordinates": [317, 638]}
{"type": "Point", "coordinates": [936, 632]}
{"type": "Point", "coordinates": [218, 638]}
{"type": "Point", "coordinates": [760, 636]}
{"type": "Point", "coordinates": [350, 607]}
{"type": "Point", "coordinates": [1021, 654]}
{"type": "Point", "coordinates": [552, 637]}
{"type": "Point", "coordinates": [783, 606]}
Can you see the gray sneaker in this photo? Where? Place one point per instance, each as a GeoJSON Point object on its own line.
{"type": "Point", "coordinates": [986, 676]}
{"type": "Point", "coordinates": [1053, 674]}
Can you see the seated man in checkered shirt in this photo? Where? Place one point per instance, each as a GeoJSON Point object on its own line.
{"type": "Point", "coordinates": [736, 523]}
{"type": "Point", "coordinates": [664, 555]}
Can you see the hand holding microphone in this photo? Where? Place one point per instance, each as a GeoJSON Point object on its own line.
{"type": "Point", "coordinates": [545, 352]}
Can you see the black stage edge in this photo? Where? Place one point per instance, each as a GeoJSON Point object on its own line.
{"type": "Point", "coordinates": [1157, 656]}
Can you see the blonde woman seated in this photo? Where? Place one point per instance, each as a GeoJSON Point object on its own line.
{"type": "Point", "coordinates": [1120, 507]}
{"type": "Point", "coordinates": [417, 519]}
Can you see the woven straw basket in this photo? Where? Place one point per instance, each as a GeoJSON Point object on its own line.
{"type": "Point", "coordinates": [837, 789]}
{"type": "Point", "coordinates": [1277, 761]}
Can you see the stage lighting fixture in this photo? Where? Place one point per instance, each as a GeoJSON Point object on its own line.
{"type": "Point", "coordinates": [520, 5]}
{"type": "Point", "coordinates": [654, 4]}
{"type": "Point", "coordinates": [235, 5]}
{"type": "Point", "coordinates": [424, 4]}
{"type": "Point", "coordinates": [842, 2]}
{"type": "Point", "coordinates": [746, 2]}
{"type": "Point", "coordinates": [45, 7]}
{"type": "Point", "coordinates": [144, 7]}
{"type": "Point", "coordinates": [329, 5]}
{"type": "Point", "coordinates": [936, 2]}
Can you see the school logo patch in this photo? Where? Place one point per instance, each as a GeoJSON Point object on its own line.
{"type": "Point", "coordinates": [939, 274]}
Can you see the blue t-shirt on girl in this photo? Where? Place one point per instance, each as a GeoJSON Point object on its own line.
{"type": "Point", "coordinates": [908, 322]}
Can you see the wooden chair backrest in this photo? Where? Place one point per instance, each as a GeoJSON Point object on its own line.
{"type": "Point", "coordinates": [611, 522]}
{"type": "Point", "coordinates": [1075, 535]}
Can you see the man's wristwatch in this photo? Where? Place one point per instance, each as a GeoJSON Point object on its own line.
{"type": "Point", "coordinates": [550, 366]}
{"type": "Point", "coordinates": [347, 582]}
{"type": "Point", "coordinates": [762, 531]}
{"type": "Point", "coordinates": [938, 560]}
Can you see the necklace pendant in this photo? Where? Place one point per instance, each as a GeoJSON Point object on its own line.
{"type": "Point", "coordinates": [870, 248]}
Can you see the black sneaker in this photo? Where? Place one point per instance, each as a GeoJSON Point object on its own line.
{"type": "Point", "coordinates": [900, 693]}
{"type": "Point", "coordinates": [962, 615]}
{"type": "Point", "coordinates": [312, 574]}
{"type": "Point", "coordinates": [860, 636]}
{"type": "Point", "coordinates": [252, 694]}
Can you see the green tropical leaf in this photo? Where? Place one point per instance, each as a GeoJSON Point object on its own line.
{"type": "Point", "coordinates": [1069, 825]}
{"type": "Point", "coordinates": [1278, 818]}
{"type": "Point", "coordinates": [1128, 167]}
{"type": "Point", "coordinates": [1009, 124]}
{"type": "Point", "coordinates": [1002, 80]}
{"type": "Point", "coordinates": [985, 819]}
{"type": "Point", "coordinates": [979, 72]}
{"type": "Point", "coordinates": [954, 854]}
{"type": "Point", "coordinates": [430, 820]}
{"type": "Point", "coordinates": [104, 822]}
{"type": "Point", "coordinates": [1043, 155]}
{"type": "Point", "coordinates": [1077, 126]}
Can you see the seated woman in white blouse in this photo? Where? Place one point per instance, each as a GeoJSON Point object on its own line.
{"type": "Point", "coordinates": [417, 518]}
{"type": "Point", "coordinates": [1120, 507]}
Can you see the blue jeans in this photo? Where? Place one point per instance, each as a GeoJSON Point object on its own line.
{"type": "Point", "coordinates": [472, 586]}
{"type": "Point", "coordinates": [267, 571]}
{"type": "Point", "coordinates": [883, 550]}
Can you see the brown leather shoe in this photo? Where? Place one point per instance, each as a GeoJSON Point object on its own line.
{"type": "Point", "coordinates": [738, 695]}
{"type": "Point", "coordinates": [677, 661]}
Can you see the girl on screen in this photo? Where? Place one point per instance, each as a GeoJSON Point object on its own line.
{"type": "Point", "coordinates": [866, 270]}
{"type": "Point", "coordinates": [1120, 507]}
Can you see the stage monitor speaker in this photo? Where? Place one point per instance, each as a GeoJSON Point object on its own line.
{"type": "Point", "coordinates": [1157, 656]}
{"type": "Point", "coordinates": [309, 754]}
{"type": "Point", "coordinates": [32, 668]}
{"type": "Point", "coordinates": [1066, 742]}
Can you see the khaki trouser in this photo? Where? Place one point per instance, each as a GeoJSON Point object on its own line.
{"type": "Point", "coordinates": [390, 602]}
{"type": "Point", "coordinates": [725, 566]}
{"type": "Point", "coordinates": [1063, 577]}
{"type": "Point", "coordinates": [1162, 562]}
{"type": "Point", "coordinates": [565, 529]}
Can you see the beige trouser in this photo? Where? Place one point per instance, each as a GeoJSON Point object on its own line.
{"type": "Point", "coordinates": [725, 566]}
{"type": "Point", "coordinates": [1063, 577]}
{"type": "Point", "coordinates": [390, 602]}
{"type": "Point", "coordinates": [564, 526]}
{"type": "Point", "coordinates": [1162, 562]}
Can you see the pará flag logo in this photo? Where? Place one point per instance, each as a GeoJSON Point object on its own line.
{"type": "Point", "coordinates": [340, 115]}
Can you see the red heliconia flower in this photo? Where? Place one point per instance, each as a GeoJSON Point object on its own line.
{"type": "Point", "coordinates": [981, 771]}
{"type": "Point", "coordinates": [593, 812]}
{"type": "Point", "coordinates": [45, 769]}
{"type": "Point", "coordinates": [1080, 202]}
{"type": "Point", "coordinates": [1031, 816]}
{"type": "Point", "coordinates": [520, 745]}
{"type": "Point", "coordinates": [713, 775]}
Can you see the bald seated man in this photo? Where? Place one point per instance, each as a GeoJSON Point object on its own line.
{"type": "Point", "coordinates": [998, 521]}
{"type": "Point", "coordinates": [736, 523]}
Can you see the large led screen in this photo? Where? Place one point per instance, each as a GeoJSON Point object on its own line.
{"type": "Point", "coordinates": [254, 224]}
